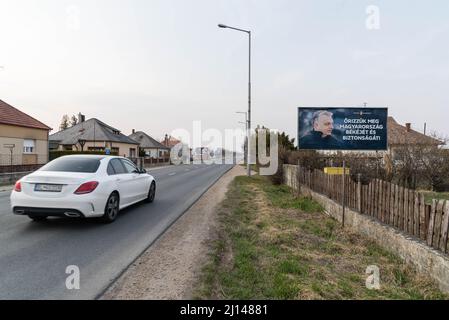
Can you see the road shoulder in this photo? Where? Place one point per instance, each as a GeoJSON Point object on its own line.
{"type": "Point", "coordinates": [171, 266]}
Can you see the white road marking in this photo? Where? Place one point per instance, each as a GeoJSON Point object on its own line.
{"type": "Point", "coordinates": [172, 174]}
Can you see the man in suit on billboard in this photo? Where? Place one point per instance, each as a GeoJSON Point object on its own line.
{"type": "Point", "coordinates": [321, 137]}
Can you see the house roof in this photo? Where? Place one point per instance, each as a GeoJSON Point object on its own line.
{"type": "Point", "coordinates": [170, 142]}
{"type": "Point", "coordinates": [14, 117]}
{"type": "Point", "coordinates": [398, 134]}
{"type": "Point", "coordinates": [90, 130]}
{"type": "Point", "coordinates": [146, 141]}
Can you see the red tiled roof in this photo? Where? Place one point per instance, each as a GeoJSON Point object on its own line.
{"type": "Point", "coordinates": [11, 116]}
{"type": "Point", "coordinates": [399, 135]}
{"type": "Point", "coordinates": [170, 142]}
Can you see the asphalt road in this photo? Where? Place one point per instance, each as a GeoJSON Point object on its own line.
{"type": "Point", "coordinates": [34, 256]}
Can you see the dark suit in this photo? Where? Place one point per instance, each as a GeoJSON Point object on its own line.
{"type": "Point", "coordinates": [315, 140]}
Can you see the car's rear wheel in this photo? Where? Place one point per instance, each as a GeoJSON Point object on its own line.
{"type": "Point", "coordinates": [151, 192]}
{"type": "Point", "coordinates": [38, 218]}
{"type": "Point", "coordinates": [112, 208]}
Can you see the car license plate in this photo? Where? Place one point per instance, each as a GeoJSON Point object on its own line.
{"type": "Point", "coordinates": [48, 187]}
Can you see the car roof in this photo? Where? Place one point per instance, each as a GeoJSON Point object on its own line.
{"type": "Point", "coordinates": [86, 156]}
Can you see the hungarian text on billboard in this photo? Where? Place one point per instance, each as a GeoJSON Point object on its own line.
{"type": "Point", "coordinates": [342, 128]}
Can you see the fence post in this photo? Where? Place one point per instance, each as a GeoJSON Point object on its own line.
{"type": "Point", "coordinates": [359, 193]}
{"type": "Point", "coordinates": [431, 223]}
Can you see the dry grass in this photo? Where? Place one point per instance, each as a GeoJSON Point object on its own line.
{"type": "Point", "coordinates": [273, 245]}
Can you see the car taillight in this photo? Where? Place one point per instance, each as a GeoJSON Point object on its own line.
{"type": "Point", "coordinates": [18, 187]}
{"type": "Point", "coordinates": [87, 187]}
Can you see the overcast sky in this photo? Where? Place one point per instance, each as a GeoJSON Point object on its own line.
{"type": "Point", "coordinates": [159, 65]}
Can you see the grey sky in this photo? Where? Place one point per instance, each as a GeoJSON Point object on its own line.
{"type": "Point", "coordinates": [159, 65]}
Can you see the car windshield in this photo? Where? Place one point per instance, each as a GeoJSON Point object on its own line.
{"type": "Point", "coordinates": [73, 164]}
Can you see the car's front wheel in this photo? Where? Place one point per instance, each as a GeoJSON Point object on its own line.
{"type": "Point", "coordinates": [151, 192]}
{"type": "Point", "coordinates": [112, 208]}
{"type": "Point", "coordinates": [38, 218]}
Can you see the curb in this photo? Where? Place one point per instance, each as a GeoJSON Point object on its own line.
{"type": "Point", "coordinates": [6, 188]}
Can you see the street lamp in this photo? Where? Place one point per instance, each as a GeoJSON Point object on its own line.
{"type": "Point", "coordinates": [246, 138]}
{"type": "Point", "coordinates": [248, 166]}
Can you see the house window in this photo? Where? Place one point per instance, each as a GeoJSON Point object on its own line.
{"type": "Point", "coordinates": [28, 146]}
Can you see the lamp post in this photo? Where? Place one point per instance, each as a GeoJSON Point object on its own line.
{"type": "Point", "coordinates": [246, 138]}
{"type": "Point", "coordinates": [248, 166]}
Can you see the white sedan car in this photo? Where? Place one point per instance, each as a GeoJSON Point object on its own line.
{"type": "Point", "coordinates": [82, 186]}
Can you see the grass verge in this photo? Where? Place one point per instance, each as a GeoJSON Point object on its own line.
{"type": "Point", "coordinates": [274, 245]}
{"type": "Point", "coordinates": [429, 195]}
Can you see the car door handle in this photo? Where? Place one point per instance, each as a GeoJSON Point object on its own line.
{"type": "Point", "coordinates": [118, 179]}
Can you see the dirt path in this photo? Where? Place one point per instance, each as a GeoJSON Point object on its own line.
{"type": "Point", "coordinates": [170, 267]}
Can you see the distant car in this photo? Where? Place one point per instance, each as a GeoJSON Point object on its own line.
{"type": "Point", "coordinates": [82, 186]}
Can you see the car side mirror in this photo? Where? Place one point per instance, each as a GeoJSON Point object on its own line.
{"type": "Point", "coordinates": [143, 171]}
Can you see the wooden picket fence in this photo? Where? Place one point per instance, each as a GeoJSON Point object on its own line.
{"type": "Point", "coordinates": [391, 204]}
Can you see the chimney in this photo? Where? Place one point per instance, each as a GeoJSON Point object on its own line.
{"type": "Point", "coordinates": [408, 126]}
{"type": "Point", "coordinates": [134, 131]}
{"type": "Point", "coordinates": [81, 117]}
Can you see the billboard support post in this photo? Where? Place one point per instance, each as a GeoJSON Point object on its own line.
{"type": "Point", "coordinates": [359, 192]}
{"type": "Point", "coordinates": [344, 192]}
{"type": "Point", "coordinates": [298, 178]}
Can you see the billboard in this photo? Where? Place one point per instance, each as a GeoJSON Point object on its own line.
{"type": "Point", "coordinates": [342, 128]}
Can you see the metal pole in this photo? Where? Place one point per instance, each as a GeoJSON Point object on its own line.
{"type": "Point", "coordinates": [249, 91]}
{"type": "Point", "coordinates": [248, 165]}
{"type": "Point", "coordinates": [359, 192]}
{"type": "Point", "coordinates": [12, 171]}
{"type": "Point", "coordinates": [246, 139]}
{"type": "Point", "coordinates": [298, 179]}
{"type": "Point", "coordinates": [344, 192]}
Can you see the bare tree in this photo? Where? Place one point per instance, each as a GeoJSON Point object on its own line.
{"type": "Point", "coordinates": [422, 165]}
{"type": "Point", "coordinates": [73, 121]}
{"type": "Point", "coordinates": [434, 164]}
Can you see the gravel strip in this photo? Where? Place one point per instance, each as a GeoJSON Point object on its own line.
{"type": "Point", "coordinates": [170, 267]}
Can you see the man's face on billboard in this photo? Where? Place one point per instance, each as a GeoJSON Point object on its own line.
{"type": "Point", "coordinates": [324, 124]}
